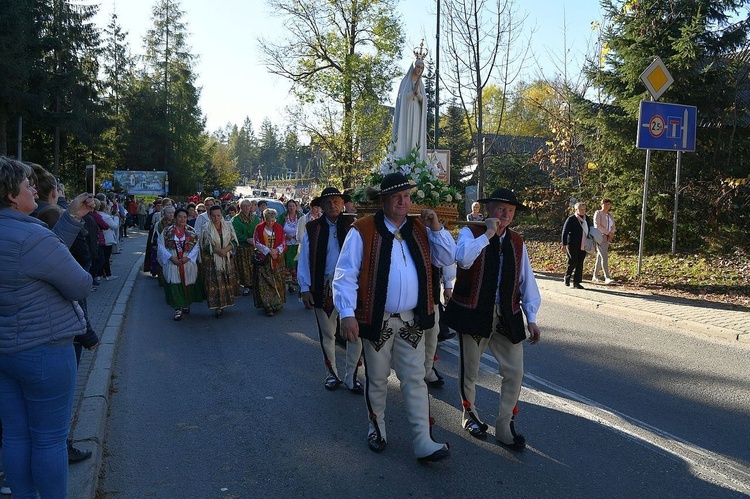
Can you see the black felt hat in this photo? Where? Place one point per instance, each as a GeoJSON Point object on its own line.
{"type": "Point", "coordinates": [504, 196]}
{"type": "Point", "coordinates": [327, 193]}
{"type": "Point", "coordinates": [394, 182]}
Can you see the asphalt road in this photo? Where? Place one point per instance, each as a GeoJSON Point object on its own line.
{"type": "Point", "coordinates": [235, 408]}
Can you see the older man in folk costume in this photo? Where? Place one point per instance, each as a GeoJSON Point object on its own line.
{"type": "Point", "coordinates": [382, 290]}
{"type": "Point", "coordinates": [494, 283]}
{"type": "Point", "coordinates": [319, 250]}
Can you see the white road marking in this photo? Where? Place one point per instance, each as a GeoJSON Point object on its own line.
{"type": "Point", "coordinates": [703, 462]}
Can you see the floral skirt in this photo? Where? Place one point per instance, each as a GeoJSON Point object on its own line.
{"type": "Point", "coordinates": [268, 291]}
{"type": "Point", "coordinates": [219, 287]}
{"type": "Point", "coordinates": [244, 265]}
{"type": "Point", "coordinates": [290, 260]}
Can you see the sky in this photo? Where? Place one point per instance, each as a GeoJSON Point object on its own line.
{"type": "Point", "coordinates": [235, 84]}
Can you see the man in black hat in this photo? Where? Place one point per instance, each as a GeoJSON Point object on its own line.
{"type": "Point", "coordinates": [382, 288]}
{"type": "Point", "coordinates": [319, 250]}
{"type": "Point", "coordinates": [494, 283]}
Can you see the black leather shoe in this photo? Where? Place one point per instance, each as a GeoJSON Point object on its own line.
{"type": "Point", "coordinates": [476, 430]}
{"type": "Point", "coordinates": [444, 337]}
{"type": "Point", "coordinates": [332, 382]}
{"type": "Point", "coordinates": [438, 382]}
{"type": "Point", "coordinates": [436, 456]}
{"type": "Point", "coordinates": [578, 286]}
{"type": "Point", "coordinates": [357, 389]}
{"type": "Point", "coordinates": [77, 455]}
{"type": "Point", "coordinates": [519, 443]}
{"type": "Point", "coordinates": [567, 280]}
{"type": "Point", "coordinates": [376, 444]}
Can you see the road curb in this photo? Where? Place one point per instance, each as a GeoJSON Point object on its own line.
{"type": "Point", "coordinates": [648, 318]}
{"type": "Point", "coordinates": [91, 417]}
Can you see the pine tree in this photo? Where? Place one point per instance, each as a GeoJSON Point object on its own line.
{"type": "Point", "coordinates": [178, 121]}
{"type": "Point", "coordinates": [700, 43]}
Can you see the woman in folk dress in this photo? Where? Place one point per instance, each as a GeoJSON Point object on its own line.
{"type": "Point", "coordinates": [218, 242]}
{"type": "Point", "coordinates": [178, 255]}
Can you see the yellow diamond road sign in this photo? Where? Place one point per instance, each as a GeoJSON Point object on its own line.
{"type": "Point", "coordinates": [657, 79]}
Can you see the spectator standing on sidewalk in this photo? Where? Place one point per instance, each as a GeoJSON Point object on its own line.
{"type": "Point", "coordinates": [574, 234]}
{"type": "Point", "coordinates": [142, 214]}
{"type": "Point", "coordinates": [494, 285]}
{"type": "Point", "coordinates": [38, 278]}
{"type": "Point", "coordinates": [605, 222]}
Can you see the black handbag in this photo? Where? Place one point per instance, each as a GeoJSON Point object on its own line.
{"type": "Point", "coordinates": [259, 258]}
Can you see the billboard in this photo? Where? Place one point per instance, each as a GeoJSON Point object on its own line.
{"type": "Point", "coordinates": [132, 182]}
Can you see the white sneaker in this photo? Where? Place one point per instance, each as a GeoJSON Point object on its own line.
{"type": "Point", "coordinates": [609, 281]}
{"type": "Point", "coordinates": [112, 277]}
{"type": "Point", "coordinates": [595, 280]}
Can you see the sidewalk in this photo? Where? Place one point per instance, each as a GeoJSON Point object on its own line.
{"type": "Point", "coordinates": [107, 308]}
{"type": "Point", "coordinates": [680, 314]}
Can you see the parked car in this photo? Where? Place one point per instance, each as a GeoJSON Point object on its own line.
{"type": "Point", "coordinates": [273, 203]}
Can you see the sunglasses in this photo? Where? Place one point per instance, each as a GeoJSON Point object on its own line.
{"type": "Point", "coordinates": [201, 211]}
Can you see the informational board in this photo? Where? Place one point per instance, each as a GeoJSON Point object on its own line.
{"type": "Point", "coordinates": [666, 127]}
{"type": "Point", "coordinates": [142, 183]}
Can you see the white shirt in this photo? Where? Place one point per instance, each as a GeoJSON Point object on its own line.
{"type": "Point", "coordinates": [332, 254]}
{"type": "Point", "coordinates": [403, 292]}
{"type": "Point", "coordinates": [468, 249]}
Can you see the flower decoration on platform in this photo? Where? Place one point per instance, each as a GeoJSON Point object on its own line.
{"type": "Point", "coordinates": [423, 175]}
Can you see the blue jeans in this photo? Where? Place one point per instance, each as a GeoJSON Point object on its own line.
{"type": "Point", "coordinates": [37, 387]}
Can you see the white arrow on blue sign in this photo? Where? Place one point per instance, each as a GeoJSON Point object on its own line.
{"type": "Point", "coordinates": [666, 127]}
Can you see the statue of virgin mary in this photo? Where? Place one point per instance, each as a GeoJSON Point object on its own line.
{"type": "Point", "coordinates": [410, 115]}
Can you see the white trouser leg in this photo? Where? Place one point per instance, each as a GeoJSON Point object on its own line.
{"type": "Point", "coordinates": [602, 259]}
{"type": "Point", "coordinates": [471, 357]}
{"type": "Point", "coordinates": [327, 333]}
{"type": "Point", "coordinates": [510, 357]}
{"type": "Point", "coordinates": [353, 354]}
{"type": "Point", "coordinates": [430, 346]}
{"type": "Point", "coordinates": [408, 362]}
{"type": "Point", "coordinates": [377, 370]}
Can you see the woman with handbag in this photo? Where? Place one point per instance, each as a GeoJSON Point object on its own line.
{"type": "Point", "coordinates": [218, 244]}
{"type": "Point", "coordinates": [178, 255]}
{"type": "Point", "coordinates": [268, 279]}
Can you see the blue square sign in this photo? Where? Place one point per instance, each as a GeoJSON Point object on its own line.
{"type": "Point", "coordinates": [666, 127]}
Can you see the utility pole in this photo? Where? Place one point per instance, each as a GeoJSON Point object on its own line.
{"type": "Point", "coordinates": [437, 75]}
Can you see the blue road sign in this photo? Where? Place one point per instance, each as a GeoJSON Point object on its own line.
{"type": "Point", "coordinates": [666, 127]}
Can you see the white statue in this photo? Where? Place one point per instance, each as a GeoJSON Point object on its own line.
{"type": "Point", "coordinates": [410, 116]}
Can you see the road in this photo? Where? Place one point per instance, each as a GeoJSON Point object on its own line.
{"type": "Point", "coordinates": [235, 408]}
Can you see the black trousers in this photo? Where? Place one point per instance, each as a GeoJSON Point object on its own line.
{"type": "Point", "coordinates": [575, 263]}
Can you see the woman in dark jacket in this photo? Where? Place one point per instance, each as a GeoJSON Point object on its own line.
{"type": "Point", "coordinates": [39, 285]}
{"type": "Point", "coordinates": [575, 230]}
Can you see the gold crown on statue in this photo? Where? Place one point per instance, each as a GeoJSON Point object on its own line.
{"type": "Point", "coordinates": [421, 51]}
